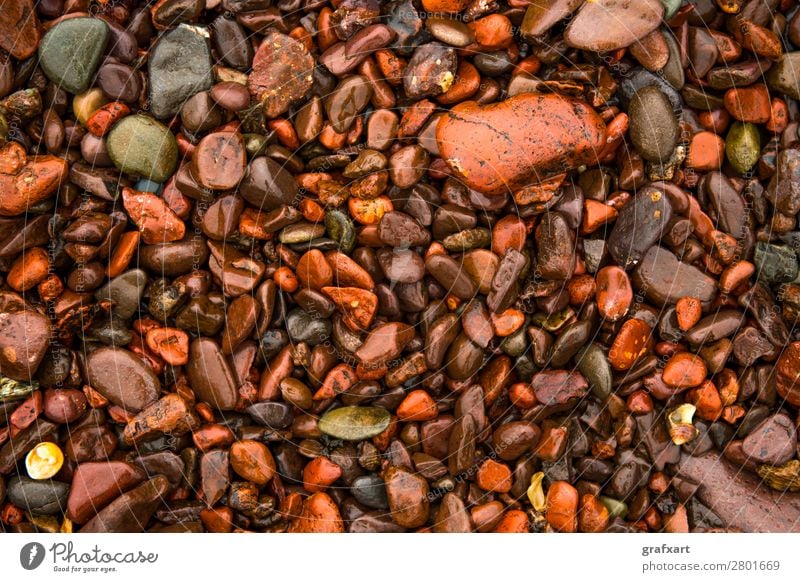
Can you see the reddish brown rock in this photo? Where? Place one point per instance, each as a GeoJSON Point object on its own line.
{"type": "Point", "coordinates": [523, 140]}
{"type": "Point", "coordinates": [94, 485]}
{"type": "Point", "coordinates": [37, 180]}
{"type": "Point", "coordinates": [19, 29]}
{"type": "Point", "coordinates": [319, 515]}
{"type": "Point", "coordinates": [739, 498]}
{"type": "Point", "coordinates": [282, 73]}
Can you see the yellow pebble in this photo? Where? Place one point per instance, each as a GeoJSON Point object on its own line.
{"type": "Point", "coordinates": [44, 461]}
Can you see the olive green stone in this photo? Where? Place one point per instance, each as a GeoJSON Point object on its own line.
{"type": "Point", "coordinates": [593, 364]}
{"type": "Point", "coordinates": [653, 126]}
{"type": "Point", "coordinates": [743, 146]}
{"type": "Point", "coordinates": [340, 228]}
{"type": "Point", "coordinates": [784, 76]}
{"type": "Point", "coordinates": [71, 52]}
{"type": "Point", "coordinates": [355, 423]}
{"type": "Point", "coordinates": [142, 146]}
{"type": "Point", "coordinates": [775, 264]}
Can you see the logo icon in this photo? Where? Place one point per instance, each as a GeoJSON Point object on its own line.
{"type": "Point", "coordinates": [31, 555]}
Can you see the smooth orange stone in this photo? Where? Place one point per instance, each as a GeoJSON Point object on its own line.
{"type": "Point", "coordinates": [614, 292]}
{"type": "Point", "coordinates": [313, 270]}
{"type": "Point", "coordinates": [123, 253]}
{"type": "Point", "coordinates": [509, 232]}
{"type": "Point", "coordinates": [30, 268]}
{"type": "Point", "coordinates": [494, 476]}
{"type": "Point", "coordinates": [467, 83]}
{"type": "Point", "coordinates": [34, 182]}
{"type": "Point", "coordinates": [506, 323]}
{"type": "Point", "coordinates": [217, 519]}
{"type": "Point", "coordinates": [252, 461]}
{"type": "Point", "coordinates": [684, 370]}
{"type": "Point", "coordinates": [358, 306]}
{"type": "Point", "coordinates": [706, 151]}
{"type": "Point", "coordinates": [312, 211]}
{"type": "Point", "coordinates": [581, 288]}
{"type": "Point", "coordinates": [595, 215]}
{"type": "Point", "coordinates": [522, 395]}
{"type": "Point", "coordinates": [593, 516]}
{"type": "Point", "coordinates": [707, 400]}
{"type": "Point", "coordinates": [445, 5]}
{"type": "Point", "coordinates": [369, 211]}
{"type": "Point", "coordinates": [758, 39]}
{"type": "Point", "coordinates": [320, 473]}
{"type": "Point", "coordinates": [157, 223]}
{"type": "Point", "coordinates": [211, 436]}
{"type": "Point", "coordinates": [750, 104]}
{"type": "Point", "coordinates": [170, 343]}
{"type": "Point", "coordinates": [348, 273]}
{"type": "Point", "coordinates": [418, 405]}
{"type": "Point", "coordinates": [285, 279]}
{"type": "Point", "coordinates": [513, 521]}
{"type": "Point", "coordinates": [562, 507]}
{"type": "Point", "coordinates": [521, 141]}
{"type": "Point", "coordinates": [688, 312]}
{"type": "Point", "coordinates": [493, 32]}
{"type": "Point", "coordinates": [319, 515]}
{"type": "Point", "coordinates": [255, 223]}
{"type": "Point", "coordinates": [632, 342]}
{"type": "Point", "coordinates": [219, 160]}
{"type": "Point", "coordinates": [716, 121]}
{"type": "Point", "coordinates": [779, 116]}
{"type": "Point", "coordinates": [735, 275]}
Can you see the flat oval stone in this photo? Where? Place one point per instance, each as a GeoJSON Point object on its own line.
{"type": "Point", "coordinates": [34, 182]}
{"type": "Point", "coordinates": [219, 160]}
{"type": "Point", "coordinates": [272, 414]}
{"type": "Point", "coordinates": [282, 73]}
{"type": "Point", "coordinates": [179, 66]}
{"type": "Point", "coordinates": [354, 423]}
{"type": "Point", "coordinates": [24, 337]}
{"type": "Point", "coordinates": [71, 52]}
{"type": "Point", "coordinates": [268, 185]}
{"type": "Point", "coordinates": [46, 497]}
{"type": "Point", "coordinates": [370, 490]}
{"type": "Point", "coordinates": [131, 511]}
{"type": "Point", "coordinates": [123, 378]}
{"type": "Point", "coordinates": [124, 291]}
{"type": "Point", "coordinates": [607, 25]}
{"type": "Point", "coordinates": [664, 279]}
{"type": "Point", "coordinates": [653, 126]}
{"type": "Point", "coordinates": [556, 133]}
{"type": "Point", "coordinates": [210, 374]}
{"type": "Point", "coordinates": [19, 29]}
{"type": "Point", "coordinates": [96, 484]}
{"type": "Point", "coordinates": [142, 146]}
{"type": "Point", "coordinates": [639, 226]}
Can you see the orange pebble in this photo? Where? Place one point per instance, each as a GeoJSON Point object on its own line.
{"type": "Point", "coordinates": [688, 312]}
{"type": "Point", "coordinates": [285, 279]}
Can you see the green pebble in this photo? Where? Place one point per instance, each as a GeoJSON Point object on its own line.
{"type": "Point", "coordinates": [142, 146]}
{"type": "Point", "coordinates": [71, 51]}
{"type": "Point", "coordinates": [743, 146]}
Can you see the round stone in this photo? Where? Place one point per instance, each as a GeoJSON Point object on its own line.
{"type": "Point", "coordinates": [355, 423]}
{"type": "Point", "coordinates": [142, 146]}
{"type": "Point", "coordinates": [71, 52]}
